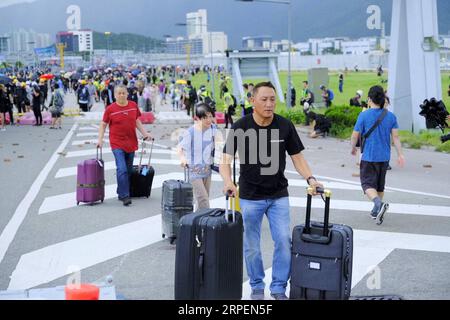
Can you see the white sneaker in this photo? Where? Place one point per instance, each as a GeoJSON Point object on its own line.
{"type": "Point", "coordinates": [3, 129]}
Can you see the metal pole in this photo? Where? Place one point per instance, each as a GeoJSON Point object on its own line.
{"type": "Point", "coordinates": [289, 93]}
{"type": "Point", "coordinates": [213, 91]}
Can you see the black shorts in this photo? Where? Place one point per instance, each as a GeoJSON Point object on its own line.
{"type": "Point", "coordinates": [373, 175]}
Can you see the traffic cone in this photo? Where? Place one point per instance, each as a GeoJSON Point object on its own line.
{"type": "Point", "coordinates": [82, 292]}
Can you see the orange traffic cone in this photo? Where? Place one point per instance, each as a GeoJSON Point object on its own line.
{"type": "Point", "coordinates": [82, 292]}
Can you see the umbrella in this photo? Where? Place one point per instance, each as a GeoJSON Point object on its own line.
{"type": "Point", "coordinates": [47, 76]}
{"type": "Point", "coordinates": [5, 80]}
{"type": "Point", "coordinates": [184, 82]}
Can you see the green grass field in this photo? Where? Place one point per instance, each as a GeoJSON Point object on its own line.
{"type": "Point", "coordinates": [353, 81]}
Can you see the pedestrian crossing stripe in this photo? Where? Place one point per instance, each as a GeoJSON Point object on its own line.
{"type": "Point", "coordinates": [55, 261]}
{"type": "Point", "coordinates": [365, 206]}
{"type": "Point", "coordinates": [93, 152]}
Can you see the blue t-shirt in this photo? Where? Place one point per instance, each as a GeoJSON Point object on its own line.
{"type": "Point", "coordinates": [198, 147]}
{"type": "Point", "coordinates": [378, 146]}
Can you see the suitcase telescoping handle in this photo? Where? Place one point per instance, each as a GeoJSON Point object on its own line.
{"type": "Point", "coordinates": [233, 209]}
{"type": "Point", "coordinates": [101, 153]}
{"type": "Point", "coordinates": [187, 177]}
{"type": "Point", "coordinates": [142, 154]}
{"type": "Point", "coordinates": [325, 237]}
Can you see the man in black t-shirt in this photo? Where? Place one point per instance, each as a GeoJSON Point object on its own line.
{"type": "Point", "coordinates": [262, 140]}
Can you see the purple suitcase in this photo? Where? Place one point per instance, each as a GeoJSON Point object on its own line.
{"type": "Point", "coordinates": [91, 181]}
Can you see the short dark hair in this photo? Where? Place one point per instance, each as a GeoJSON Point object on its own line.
{"type": "Point", "coordinates": [377, 95]}
{"type": "Point", "coordinates": [267, 84]}
{"type": "Point", "coordinates": [188, 82]}
{"type": "Point", "coordinates": [202, 110]}
{"type": "Point", "coordinates": [245, 86]}
{"type": "Point", "coordinates": [305, 82]}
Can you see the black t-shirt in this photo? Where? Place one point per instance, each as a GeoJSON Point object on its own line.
{"type": "Point", "coordinates": [262, 175]}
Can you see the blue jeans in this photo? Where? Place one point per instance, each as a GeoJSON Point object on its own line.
{"type": "Point", "coordinates": [124, 164]}
{"type": "Point", "coordinates": [277, 211]}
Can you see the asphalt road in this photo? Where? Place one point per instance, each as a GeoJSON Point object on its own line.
{"type": "Point", "coordinates": [45, 236]}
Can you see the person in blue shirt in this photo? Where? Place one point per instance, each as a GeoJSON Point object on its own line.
{"type": "Point", "coordinates": [377, 150]}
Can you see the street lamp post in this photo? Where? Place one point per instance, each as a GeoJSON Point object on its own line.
{"type": "Point", "coordinates": [289, 3]}
{"type": "Point", "coordinates": [213, 86]}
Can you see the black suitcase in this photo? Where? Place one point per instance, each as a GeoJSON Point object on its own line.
{"type": "Point", "coordinates": [322, 257]}
{"type": "Point", "coordinates": [141, 178]}
{"type": "Point", "coordinates": [177, 201]}
{"type": "Point", "coordinates": [209, 256]}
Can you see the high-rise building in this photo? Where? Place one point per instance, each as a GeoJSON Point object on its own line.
{"type": "Point", "coordinates": [4, 44]}
{"type": "Point", "coordinates": [197, 23]}
{"type": "Point", "coordinates": [77, 41]}
{"type": "Point", "coordinates": [25, 41]}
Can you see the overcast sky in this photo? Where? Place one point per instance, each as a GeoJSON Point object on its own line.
{"type": "Point", "coordinates": [7, 3]}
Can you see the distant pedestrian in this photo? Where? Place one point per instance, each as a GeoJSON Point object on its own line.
{"type": "Point", "coordinates": [37, 105]}
{"type": "Point", "coordinates": [341, 83]}
{"type": "Point", "coordinates": [376, 126]}
{"type": "Point", "coordinates": [327, 96]}
{"type": "Point", "coordinates": [56, 107]}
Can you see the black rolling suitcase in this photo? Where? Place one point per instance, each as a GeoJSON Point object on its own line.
{"type": "Point", "coordinates": [141, 179]}
{"type": "Point", "coordinates": [177, 201]}
{"type": "Point", "coordinates": [322, 257]}
{"type": "Point", "coordinates": [209, 256]}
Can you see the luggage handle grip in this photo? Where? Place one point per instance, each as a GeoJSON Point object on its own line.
{"type": "Point", "coordinates": [186, 174]}
{"type": "Point", "coordinates": [101, 153]}
{"type": "Point", "coordinates": [320, 239]}
{"type": "Point", "coordinates": [233, 212]}
{"type": "Point", "coordinates": [347, 268]}
{"type": "Point", "coordinates": [327, 194]}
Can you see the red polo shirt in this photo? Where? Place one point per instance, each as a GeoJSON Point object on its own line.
{"type": "Point", "coordinates": [122, 126]}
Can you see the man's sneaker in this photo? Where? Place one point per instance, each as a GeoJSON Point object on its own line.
{"type": "Point", "coordinates": [127, 202]}
{"type": "Point", "coordinates": [257, 294]}
{"type": "Point", "coordinates": [279, 296]}
{"type": "Point", "coordinates": [380, 215]}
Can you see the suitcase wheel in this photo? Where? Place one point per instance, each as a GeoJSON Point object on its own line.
{"type": "Point", "coordinates": [78, 204]}
{"type": "Point", "coordinates": [172, 240]}
{"type": "Point", "coordinates": [163, 236]}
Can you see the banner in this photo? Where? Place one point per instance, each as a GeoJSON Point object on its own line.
{"type": "Point", "coordinates": [46, 52]}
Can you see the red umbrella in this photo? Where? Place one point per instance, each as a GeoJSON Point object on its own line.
{"type": "Point", "coordinates": [47, 76]}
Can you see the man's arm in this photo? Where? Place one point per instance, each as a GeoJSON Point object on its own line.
{"type": "Point", "coordinates": [225, 172]}
{"type": "Point", "coordinates": [354, 139]}
{"type": "Point", "coordinates": [142, 130]}
{"type": "Point", "coordinates": [101, 134]}
{"type": "Point", "coordinates": [303, 169]}
{"type": "Point", "coordinates": [398, 147]}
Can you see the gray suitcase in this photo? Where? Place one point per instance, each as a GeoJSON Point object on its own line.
{"type": "Point", "coordinates": [177, 201]}
{"type": "Point", "coordinates": [322, 257]}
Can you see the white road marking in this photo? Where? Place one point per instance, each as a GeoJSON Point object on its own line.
{"type": "Point", "coordinates": [93, 152]}
{"type": "Point", "coordinates": [387, 188]}
{"type": "Point", "coordinates": [88, 129]}
{"type": "Point", "coordinates": [90, 141]}
{"type": "Point", "coordinates": [13, 225]}
{"type": "Point", "coordinates": [68, 200]}
{"type": "Point", "coordinates": [89, 134]}
{"type": "Point", "coordinates": [371, 248]}
{"type": "Point", "coordinates": [53, 262]}
{"type": "Point", "coordinates": [72, 171]}
{"type": "Point", "coordinates": [365, 206]}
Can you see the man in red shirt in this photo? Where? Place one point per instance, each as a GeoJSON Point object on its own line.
{"type": "Point", "coordinates": [123, 119]}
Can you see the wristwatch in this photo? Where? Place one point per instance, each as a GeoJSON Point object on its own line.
{"type": "Point", "coordinates": [310, 178]}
